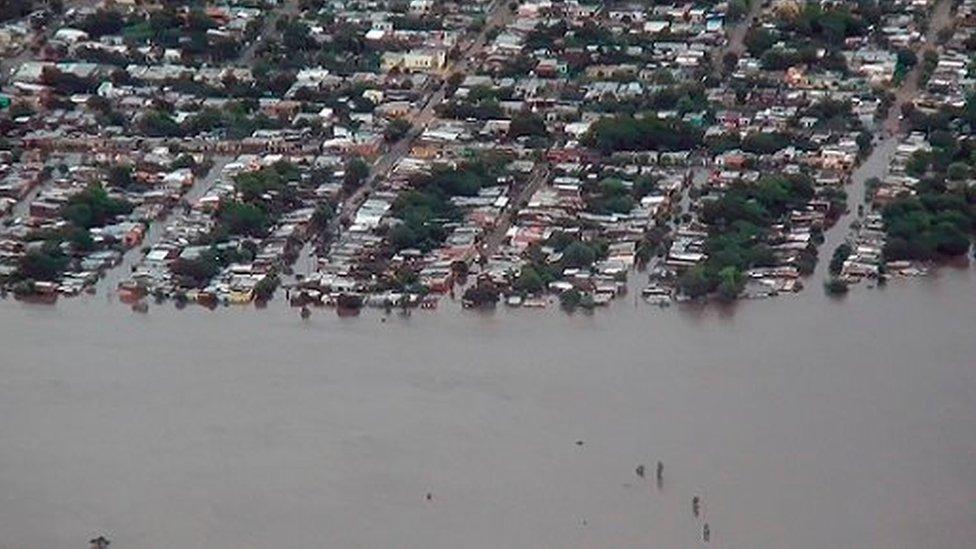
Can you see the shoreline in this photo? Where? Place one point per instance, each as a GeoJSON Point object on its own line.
{"type": "Point", "coordinates": [959, 270]}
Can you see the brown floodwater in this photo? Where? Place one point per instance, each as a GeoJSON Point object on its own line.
{"type": "Point", "coordinates": [801, 422]}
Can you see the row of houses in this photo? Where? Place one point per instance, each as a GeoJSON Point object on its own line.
{"type": "Point", "coordinates": [204, 258]}
{"type": "Point", "coordinates": [74, 219]}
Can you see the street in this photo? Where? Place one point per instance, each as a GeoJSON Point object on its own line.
{"type": "Point", "coordinates": [498, 15]}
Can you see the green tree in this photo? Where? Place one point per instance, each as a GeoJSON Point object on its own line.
{"type": "Point", "coordinates": [42, 264]}
{"type": "Point", "coordinates": [840, 256]}
{"type": "Point", "coordinates": [863, 141]}
{"type": "Point", "coordinates": [93, 207]}
{"type": "Point", "coordinates": [482, 294]}
{"type": "Point", "coordinates": [731, 283]}
{"type": "Point", "coordinates": [157, 123]}
{"type": "Point", "coordinates": [527, 124]}
{"type": "Point", "coordinates": [102, 22]}
{"type": "Point", "coordinates": [120, 175]}
{"type": "Point", "coordinates": [79, 238]}
{"type": "Point", "coordinates": [957, 171]}
{"type": "Point", "coordinates": [578, 255]}
{"type": "Point", "coordinates": [265, 289]}
{"type": "Point", "coordinates": [835, 286]}
{"type": "Point", "coordinates": [738, 9]}
{"type": "Point", "coordinates": [764, 143]}
{"type": "Point", "coordinates": [694, 282]}
{"type": "Point", "coordinates": [244, 219]}
{"type": "Point", "coordinates": [396, 129]}
{"type": "Point", "coordinates": [529, 281]}
{"type": "Point", "coordinates": [758, 40]}
{"type": "Point", "coordinates": [198, 271]}
{"type": "Point", "coordinates": [627, 133]}
{"type": "Point", "coordinates": [570, 299]}
{"type": "Point", "coordinates": [356, 172]}
{"type": "Point", "coordinates": [323, 214]}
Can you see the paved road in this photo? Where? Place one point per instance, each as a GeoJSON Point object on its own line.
{"type": "Point", "coordinates": [909, 88]}
{"type": "Point", "coordinates": [494, 239]}
{"type": "Point", "coordinates": [158, 229]}
{"type": "Point", "coordinates": [22, 207]}
{"type": "Point", "coordinates": [289, 8]}
{"type": "Point", "coordinates": [878, 162]}
{"type": "Point", "coordinates": [737, 36]}
{"type": "Point", "coordinates": [498, 16]}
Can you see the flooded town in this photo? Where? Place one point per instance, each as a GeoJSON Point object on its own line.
{"type": "Point", "coordinates": [396, 154]}
{"type": "Point", "coordinates": [419, 273]}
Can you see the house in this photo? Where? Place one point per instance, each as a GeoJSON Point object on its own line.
{"type": "Point", "coordinates": [423, 60]}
